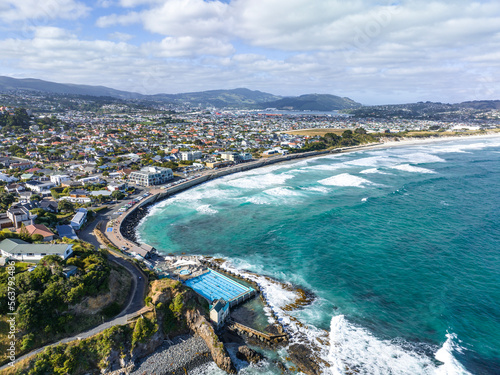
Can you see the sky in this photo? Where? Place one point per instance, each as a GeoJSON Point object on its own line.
{"type": "Point", "coordinates": [374, 52]}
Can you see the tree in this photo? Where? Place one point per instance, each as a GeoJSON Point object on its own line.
{"type": "Point", "coordinates": [35, 198]}
{"type": "Point", "coordinates": [347, 134]}
{"type": "Point", "coordinates": [6, 200]}
{"type": "Point", "coordinates": [65, 206]}
{"type": "Point", "coordinates": [54, 194]}
{"type": "Point", "coordinates": [37, 237]}
{"type": "Point", "coordinates": [331, 138]}
{"type": "Point", "coordinates": [360, 131]}
{"type": "Point", "coordinates": [23, 233]}
{"type": "Point", "coordinates": [117, 195]}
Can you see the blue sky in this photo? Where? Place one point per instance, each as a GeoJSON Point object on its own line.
{"type": "Point", "coordinates": [375, 52]}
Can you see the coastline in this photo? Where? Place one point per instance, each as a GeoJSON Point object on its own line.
{"type": "Point", "coordinates": [389, 144]}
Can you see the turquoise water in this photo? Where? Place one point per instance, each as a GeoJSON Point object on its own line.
{"type": "Point", "coordinates": [400, 246]}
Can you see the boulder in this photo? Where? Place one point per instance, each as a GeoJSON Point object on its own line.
{"type": "Point", "coordinates": [246, 354]}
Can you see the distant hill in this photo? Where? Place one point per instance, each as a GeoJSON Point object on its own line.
{"type": "Point", "coordinates": [31, 84]}
{"type": "Point", "coordinates": [312, 102]}
{"type": "Point", "coordinates": [239, 98]}
{"type": "Point", "coordinates": [481, 104]}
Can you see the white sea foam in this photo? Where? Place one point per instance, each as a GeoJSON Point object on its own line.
{"type": "Point", "coordinates": [345, 179]}
{"type": "Point", "coordinates": [260, 181]}
{"type": "Point", "coordinates": [324, 167]}
{"type": "Point", "coordinates": [412, 169]}
{"type": "Point", "coordinates": [373, 170]}
{"type": "Point", "coordinates": [464, 148]}
{"type": "Point", "coordinates": [371, 161]}
{"type": "Point", "coordinates": [283, 192]}
{"type": "Point", "coordinates": [355, 347]}
{"type": "Point", "coordinates": [450, 364]}
{"type": "Point", "coordinates": [422, 158]}
{"type": "Point", "coordinates": [258, 200]}
{"type": "Point", "coordinates": [206, 209]}
{"type": "Point", "coordinates": [364, 199]}
{"type": "Point", "coordinates": [319, 189]}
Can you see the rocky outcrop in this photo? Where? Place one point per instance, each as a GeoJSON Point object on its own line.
{"type": "Point", "coordinates": [198, 324]}
{"type": "Point", "coordinates": [142, 350]}
{"type": "Point", "coordinates": [249, 355]}
{"type": "Point", "coordinates": [304, 359]}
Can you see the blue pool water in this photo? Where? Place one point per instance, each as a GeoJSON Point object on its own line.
{"type": "Point", "coordinates": [213, 285]}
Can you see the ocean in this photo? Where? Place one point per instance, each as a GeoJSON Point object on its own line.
{"type": "Point", "coordinates": [400, 245]}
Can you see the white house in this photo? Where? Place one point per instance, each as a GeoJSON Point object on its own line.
{"type": "Point", "coordinates": [6, 178]}
{"type": "Point", "coordinates": [219, 312]}
{"type": "Point", "coordinates": [59, 178]}
{"type": "Point", "coordinates": [14, 248]}
{"type": "Point", "coordinates": [40, 187]}
{"type": "Point", "coordinates": [79, 219]}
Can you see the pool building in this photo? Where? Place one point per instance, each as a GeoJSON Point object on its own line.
{"type": "Point", "coordinates": [214, 286]}
{"type": "Point", "coordinates": [221, 291]}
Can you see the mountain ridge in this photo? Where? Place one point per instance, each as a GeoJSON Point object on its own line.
{"type": "Point", "coordinates": [241, 98]}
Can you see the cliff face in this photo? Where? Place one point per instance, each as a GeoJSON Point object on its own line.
{"type": "Point", "coordinates": [199, 325]}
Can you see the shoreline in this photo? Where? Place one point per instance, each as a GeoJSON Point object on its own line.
{"type": "Point", "coordinates": [130, 231]}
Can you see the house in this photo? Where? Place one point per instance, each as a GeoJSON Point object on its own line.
{"type": "Point", "coordinates": [38, 229]}
{"type": "Point", "coordinates": [49, 206]}
{"type": "Point", "coordinates": [59, 178]}
{"type": "Point", "coordinates": [122, 186]}
{"type": "Point", "coordinates": [21, 165]}
{"type": "Point", "coordinates": [40, 187]}
{"type": "Point", "coordinates": [219, 311]}
{"type": "Point", "coordinates": [6, 178]}
{"type": "Point", "coordinates": [66, 231]}
{"type": "Point", "coordinates": [69, 271]}
{"type": "Point", "coordinates": [19, 214]}
{"type": "Point", "coordinates": [20, 250]}
{"type": "Point", "coordinates": [25, 196]}
{"type": "Point", "coordinates": [79, 193]}
{"type": "Point", "coordinates": [79, 219]}
{"type": "Point", "coordinates": [104, 193]}
{"type": "Point", "coordinates": [14, 188]}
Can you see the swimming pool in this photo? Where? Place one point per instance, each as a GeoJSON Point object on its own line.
{"type": "Point", "coordinates": [214, 285]}
{"type": "Point", "coordinates": [185, 272]}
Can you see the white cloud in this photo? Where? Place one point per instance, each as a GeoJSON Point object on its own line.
{"type": "Point", "coordinates": [415, 49]}
{"type": "Point", "coordinates": [15, 10]}
{"type": "Point", "coordinates": [187, 46]}
{"type": "Point", "coordinates": [122, 37]}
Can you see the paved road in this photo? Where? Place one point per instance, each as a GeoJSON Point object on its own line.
{"type": "Point", "coordinates": [139, 284]}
